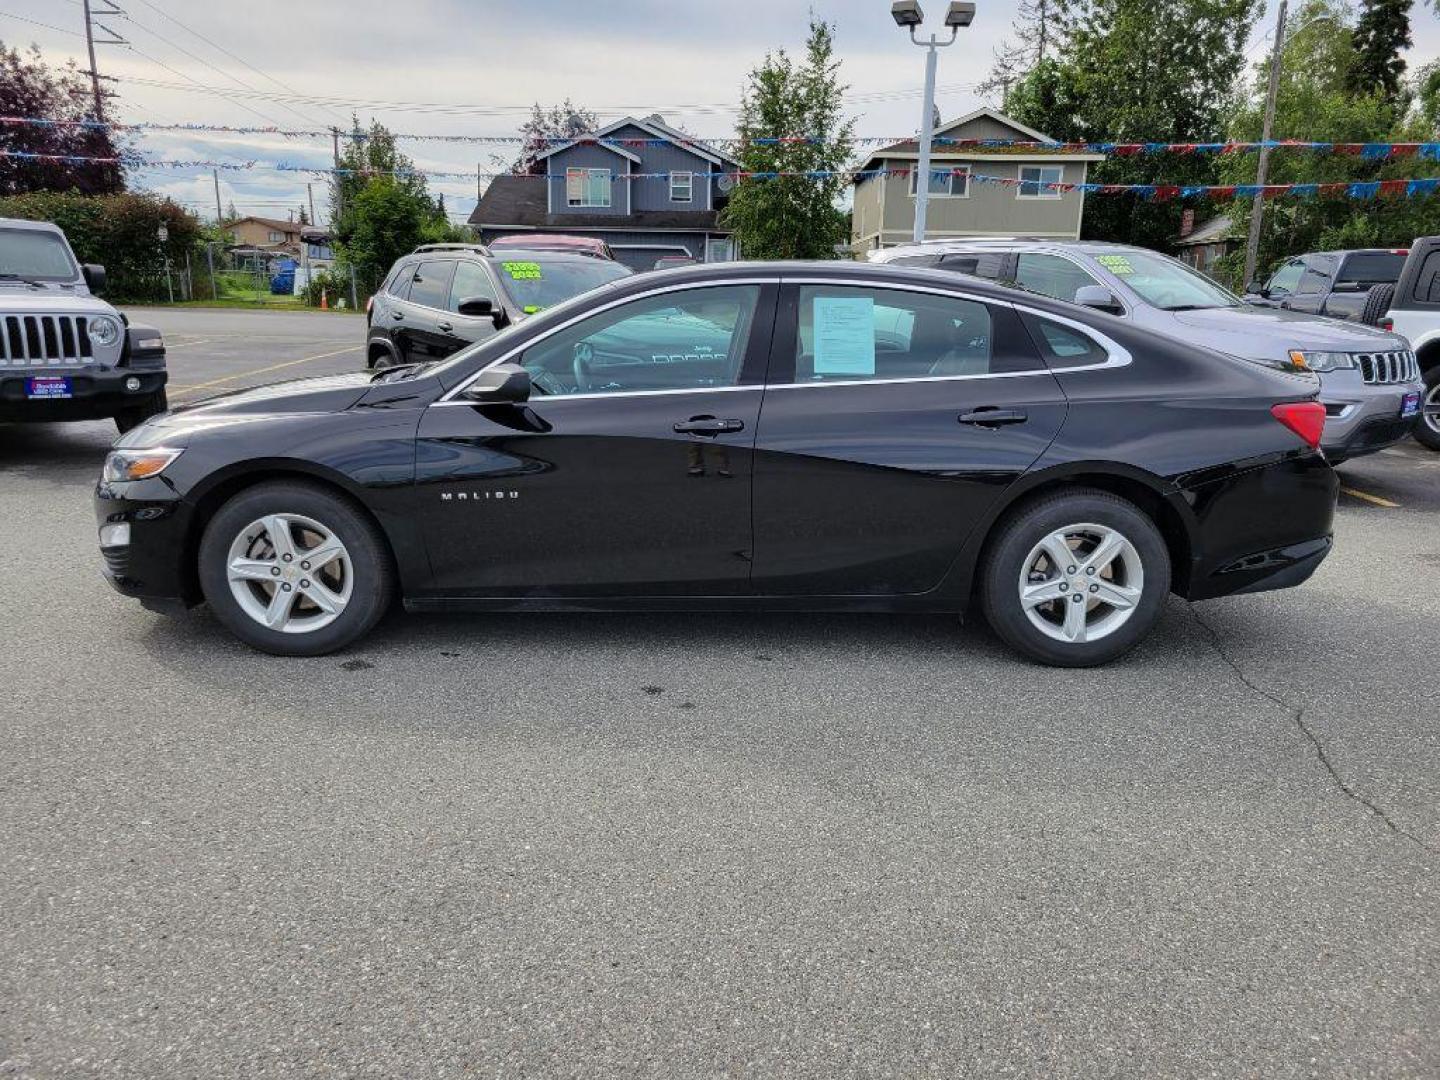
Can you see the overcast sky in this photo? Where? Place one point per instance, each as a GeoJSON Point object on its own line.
{"type": "Point", "coordinates": [474, 68]}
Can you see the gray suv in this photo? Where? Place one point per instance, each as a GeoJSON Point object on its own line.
{"type": "Point", "coordinates": [1370, 382]}
{"type": "Point", "coordinates": [442, 297]}
{"type": "Point", "coordinates": [65, 354]}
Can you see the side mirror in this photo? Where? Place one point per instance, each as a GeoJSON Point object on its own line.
{"type": "Point", "coordinates": [1099, 298]}
{"type": "Point", "coordinates": [501, 384]}
{"type": "Point", "coordinates": [94, 275]}
{"type": "Point", "coordinates": [480, 306]}
{"type": "Point", "coordinates": [1257, 287]}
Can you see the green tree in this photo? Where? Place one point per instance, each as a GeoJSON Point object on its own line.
{"type": "Point", "coordinates": [380, 208]}
{"type": "Point", "coordinates": [793, 217]}
{"type": "Point", "coordinates": [1138, 71]}
{"type": "Point", "coordinates": [1316, 102]}
{"type": "Point", "coordinates": [1382, 32]}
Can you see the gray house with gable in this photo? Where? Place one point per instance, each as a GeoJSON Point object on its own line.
{"type": "Point", "coordinates": [646, 189]}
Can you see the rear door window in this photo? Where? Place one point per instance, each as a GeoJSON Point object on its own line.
{"type": "Point", "coordinates": [430, 286]}
{"type": "Point", "coordinates": [1051, 275]}
{"type": "Point", "coordinates": [850, 333]}
{"type": "Point", "coordinates": [985, 264]}
{"type": "Point", "coordinates": [1427, 283]}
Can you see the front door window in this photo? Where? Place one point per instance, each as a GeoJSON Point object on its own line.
{"type": "Point", "coordinates": [689, 340]}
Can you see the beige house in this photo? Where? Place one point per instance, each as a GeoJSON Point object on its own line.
{"type": "Point", "coordinates": [961, 205]}
{"type": "Point", "coordinates": [263, 233]}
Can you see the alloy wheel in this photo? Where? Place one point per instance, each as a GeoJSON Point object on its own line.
{"type": "Point", "coordinates": [1431, 410]}
{"type": "Point", "coordinates": [1081, 583]}
{"type": "Point", "coordinates": [289, 573]}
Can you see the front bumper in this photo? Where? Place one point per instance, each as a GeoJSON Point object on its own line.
{"type": "Point", "coordinates": [95, 393]}
{"type": "Point", "coordinates": [1360, 417]}
{"type": "Point", "coordinates": [151, 566]}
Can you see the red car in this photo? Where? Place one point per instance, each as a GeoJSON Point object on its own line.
{"type": "Point", "coordinates": [576, 245]}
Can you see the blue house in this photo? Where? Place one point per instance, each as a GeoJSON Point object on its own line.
{"type": "Point", "coordinates": [646, 189]}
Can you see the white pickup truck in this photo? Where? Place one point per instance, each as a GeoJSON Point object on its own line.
{"type": "Point", "coordinates": [1413, 311]}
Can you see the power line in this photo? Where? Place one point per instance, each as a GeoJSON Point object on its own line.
{"type": "Point", "coordinates": [222, 93]}
{"type": "Point", "coordinates": [44, 25]}
{"type": "Point", "coordinates": [220, 48]}
{"type": "Point", "coordinates": [451, 108]}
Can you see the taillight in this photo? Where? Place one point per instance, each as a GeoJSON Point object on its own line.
{"type": "Point", "coordinates": [1304, 418]}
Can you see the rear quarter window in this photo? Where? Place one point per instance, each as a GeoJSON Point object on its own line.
{"type": "Point", "coordinates": [1063, 346]}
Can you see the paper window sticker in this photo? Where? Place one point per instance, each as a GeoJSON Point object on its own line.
{"type": "Point", "coordinates": [844, 330]}
{"type": "Point", "coordinates": [1116, 264]}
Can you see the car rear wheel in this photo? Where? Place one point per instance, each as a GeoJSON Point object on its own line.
{"type": "Point", "coordinates": [293, 569]}
{"type": "Point", "coordinates": [1427, 431]}
{"type": "Point", "coordinates": [1075, 579]}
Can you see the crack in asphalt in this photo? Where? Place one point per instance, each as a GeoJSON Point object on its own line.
{"type": "Point", "coordinates": [1297, 716]}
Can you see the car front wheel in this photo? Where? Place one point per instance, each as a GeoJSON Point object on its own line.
{"type": "Point", "coordinates": [294, 569]}
{"type": "Point", "coordinates": [1075, 579]}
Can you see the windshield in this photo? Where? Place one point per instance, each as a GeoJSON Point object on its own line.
{"type": "Point", "coordinates": [1163, 282]}
{"type": "Point", "coordinates": [34, 255]}
{"type": "Point", "coordinates": [535, 281]}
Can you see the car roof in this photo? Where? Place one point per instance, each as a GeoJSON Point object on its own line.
{"type": "Point", "coordinates": [843, 271]}
{"type": "Point", "coordinates": [26, 223]}
{"type": "Point", "coordinates": [931, 247]}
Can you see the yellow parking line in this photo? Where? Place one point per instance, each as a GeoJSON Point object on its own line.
{"type": "Point", "coordinates": [261, 371]}
{"type": "Point", "coordinates": [1367, 497]}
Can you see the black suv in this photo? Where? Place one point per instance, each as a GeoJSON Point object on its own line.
{"type": "Point", "coordinates": [442, 297]}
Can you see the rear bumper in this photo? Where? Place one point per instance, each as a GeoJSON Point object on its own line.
{"type": "Point", "coordinates": [1263, 528]}
{"type": "Point", "coordinates": [94, 394]}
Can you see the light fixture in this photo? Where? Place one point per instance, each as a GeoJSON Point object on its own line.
{"type": "Point", "coordinates": [907, 13]}
{"type": "Point", "coordinates": [961, 13]}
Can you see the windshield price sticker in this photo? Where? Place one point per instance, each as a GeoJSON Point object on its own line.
{"type": "Point", "coordinates": [1116, 264]}
{"type": "Point", "coordinates": [523, 271]}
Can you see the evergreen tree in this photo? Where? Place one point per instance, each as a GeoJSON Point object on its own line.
{"type": "Point", "coordinates": [1038, 27]}
{"type": "Point", "coordinates": [793, 217]}
{"type": "Point", "coordinates": [304, 217]}
{"type": "Point", "coordinates": [564, 121]}
{"type": "Point", "coordinates": [1382, 32]}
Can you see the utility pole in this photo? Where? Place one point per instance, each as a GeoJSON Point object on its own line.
{"type": "Point", "coordinates": [310, 193]}
{"type": "Point", "coordinates": [94, 71]}
{"type": "Point", "coordinates": [1262, 167]}
{"type": "Point", "coordinates": [339, 188]}
{"type": "Point", "coordinates": [215, 175]}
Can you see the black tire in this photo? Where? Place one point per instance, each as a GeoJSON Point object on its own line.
{"type": "Point", "coordinates": [135, 415]}
{"type": "Point", "coordinates": [1020, 532]}
{"type": "Point", "coordinates": [372, 575]}
{"type": "Point", "coordinates": [1427, 427]}
{"type": "Point", "coordinates": [1377, 303]}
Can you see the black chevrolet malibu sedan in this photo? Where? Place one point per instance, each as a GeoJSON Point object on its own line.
{"type": "Point", "coordinates": [792, 436]}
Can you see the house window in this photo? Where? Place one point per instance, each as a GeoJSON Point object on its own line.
{"type": "Point", "coordinates": [1033, 179]}
{"type": "Point", "coordinates": [952, 183]}
{"type": "Point", "coordinates": [276, 237]}
{"type": "Point", "coordinates": [587, 187]}
{"type": "Point", "coordinates": [681, 184]}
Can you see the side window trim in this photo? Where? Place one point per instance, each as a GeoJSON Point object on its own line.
{"type": "Point", "coordinates": [416, 269]}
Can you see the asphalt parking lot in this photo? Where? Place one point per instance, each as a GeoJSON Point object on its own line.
{"type": "Point", "coordinates": [528, 845]}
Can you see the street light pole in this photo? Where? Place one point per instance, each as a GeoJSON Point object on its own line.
{"type": "Point", "coordinates": [1262, 167]}
{"type": "Point", "coordinates": [927, 133]}
{"type": "Point", "coordinates": [907, 14]}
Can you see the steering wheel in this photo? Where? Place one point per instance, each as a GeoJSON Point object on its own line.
{"type": "Point", "coordinates": [581, 358]}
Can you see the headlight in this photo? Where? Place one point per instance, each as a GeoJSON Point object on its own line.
{"type": "Point", "coordinates": [122, 465]}
{"type": "Point", "coordinates": [1321, 361]}
{"type": "Point", "coordinates": [104, 330]}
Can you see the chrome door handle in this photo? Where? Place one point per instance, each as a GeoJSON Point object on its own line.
{"type": "Point", "coordinates": [397, 315]}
